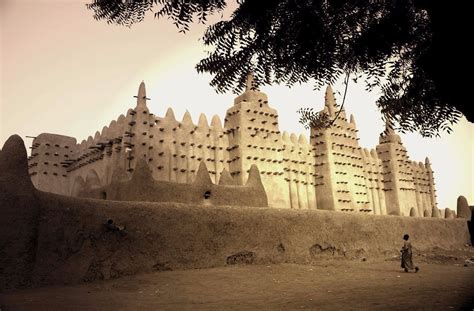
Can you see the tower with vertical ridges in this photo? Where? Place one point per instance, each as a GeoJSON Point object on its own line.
{"type": "Point", "coordinates": [398, 175]}
{"type": "Point", "coordinates": [339, 162]}
{"type": "Point", "coordinates": [254, 138]}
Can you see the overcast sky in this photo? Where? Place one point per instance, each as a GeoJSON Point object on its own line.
{"type": "Point", "coordinates": [63, 72]}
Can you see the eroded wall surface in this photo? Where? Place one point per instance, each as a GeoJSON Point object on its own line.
{"type": "Point", "coordinates": [74, 245]}
{"type": "Point", "coordinates": [47, 238]}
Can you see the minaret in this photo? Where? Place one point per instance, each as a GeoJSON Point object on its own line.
{"type": "Point", "coordinates": [330, 101]}
{"type": "Point", "coordinates": [254, 138]}
{"type": "Point", "coordinates": [339, 162]}
{"type": "Point", "coordinates": [400, 191]}
{"type": "Point", "coordinates": [389, 134]}
{"type": "Point", "coordinates": [352, 121]}
{"type": "Point", "coordinates": [249, 83]}
{"type": "Point", "coordinates": [139, 129]}
{"type": "Point", "coordinates": [389, 127]}
{"type": "Point", "coordinates": [386, 150]}
{"type": "Point", "coordinates": [141, 97]}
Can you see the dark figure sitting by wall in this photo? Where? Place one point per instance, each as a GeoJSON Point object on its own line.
{"type": "Point", "coordinates": [111, 226]}
{"type": "Point", "coordinates": [407, 263]}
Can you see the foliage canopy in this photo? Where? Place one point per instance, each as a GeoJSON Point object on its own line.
{"type": "Point", "coordinates": [401, 47]}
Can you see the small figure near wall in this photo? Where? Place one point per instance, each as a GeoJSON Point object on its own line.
{"type": "Point", "coordinates": [111, 226]}
{"type": "Point", "coordinates": [407, 263]}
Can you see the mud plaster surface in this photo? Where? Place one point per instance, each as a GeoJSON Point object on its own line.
{"type": "Point", "coordinates": [52, 239]}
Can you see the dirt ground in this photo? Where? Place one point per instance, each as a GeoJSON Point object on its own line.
{"type": "Point", "coordinates": [441, 284]}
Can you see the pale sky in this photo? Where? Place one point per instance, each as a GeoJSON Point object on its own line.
{"type": "Point", "coordinates": [63, 72]}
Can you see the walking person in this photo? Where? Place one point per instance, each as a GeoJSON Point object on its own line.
{"type": "Point", "coordinates": [407, 262]}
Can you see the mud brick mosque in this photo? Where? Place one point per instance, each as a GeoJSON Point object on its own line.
{"type": "Point", "coordinates": [330, 172]}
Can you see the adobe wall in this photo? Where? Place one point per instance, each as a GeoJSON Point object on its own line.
{"type": "Point", "coordinates": [52, 239]}
{"type": "Point", "coordinates": [19, 216]}
{"type": "Point", "coordinates": [74, 246]}
{"type": "Point", "coordinates": [202, 191]}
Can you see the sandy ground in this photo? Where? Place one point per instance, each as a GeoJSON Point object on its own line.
{"type": "Point", "coordinates": [330, 285]}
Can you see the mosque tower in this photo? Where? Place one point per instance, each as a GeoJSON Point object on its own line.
{"type": "Point", "coordinates": [431, 184]}
{"type": "Point", "coordinates": [339, 165]}
{"type": "Point", "coordinates": [137, 137]}
{"type": "Point", "coordinates": [254, 138]}
{"type": "Point", "coordinates": [398, 175]}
